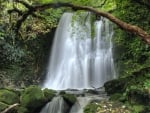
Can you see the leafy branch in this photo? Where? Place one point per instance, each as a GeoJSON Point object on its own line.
{"type": "Point", "coordinates": [123, 25]}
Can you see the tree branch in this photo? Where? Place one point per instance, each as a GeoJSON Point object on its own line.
{"type": "Point", "coordinates": [10, 107]}
{"type": "Point", "coordinates": [123, 25]}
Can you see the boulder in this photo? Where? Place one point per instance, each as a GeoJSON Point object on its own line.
{"type": "Point", "coordinates": [69, 98]}
{"type": "Point", "coordinates": [115, 86]}
{"type": "Point", "coordinates": [32, 98]}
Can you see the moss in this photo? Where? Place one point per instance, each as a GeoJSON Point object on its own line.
{"type": "Point", "coordinates": [49, 94]}
{"type": "Point", "coordinates": [32, 98]}
{"type": "Point", "coordinates": [69, 98]}
{"type": "Point", "coordinates": [3, 106]}
{"type": "Point", "coordinates": [8, 96]}
{"type": "Point", "coordinates": [91, 108]}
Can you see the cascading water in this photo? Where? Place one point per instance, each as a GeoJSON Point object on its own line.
{"type": "Point", "coordinates": [77, 60]}
{"type": "Point", "coordinates": [80, 104]}
{"type": "Point", "coordinates": [55, 106]}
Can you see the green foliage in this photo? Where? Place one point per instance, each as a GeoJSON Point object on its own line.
{"type": "Point", "coordinates": [131, 53]}
{"type": "Point", "coordinates": [91, 108]}
{"type": "Point", "coordinates": [8, 97]}
{"type": "Point", "coordinates": [22, 110]}
{"type": "Point", "coordinates": [109, 5]}
{"type": "Point", "coordinates": [147, 84]}
{"type": "Point", "coordinates": [44, 1]}
{"type": "Point", "coordinates": [10, 52]}
{"type": "Point", "coordinates": [117, 97]}
{"type": "Point", "coordinates": [3, 106]}
{"type": "Point", "coordinates": [136, 108]}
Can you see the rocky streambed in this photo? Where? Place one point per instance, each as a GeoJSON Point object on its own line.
{"type": "Point", "coordinates": [32, 99]}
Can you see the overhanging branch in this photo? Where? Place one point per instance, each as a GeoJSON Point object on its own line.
{"type": "Point", "coordinates": [123, 25]}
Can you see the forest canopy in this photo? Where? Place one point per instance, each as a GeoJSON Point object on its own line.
{"type": "Point", "coordinates": [27, 9]}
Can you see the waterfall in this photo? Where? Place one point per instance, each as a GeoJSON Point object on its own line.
{"type": "Point", "coordinates": [79, 105]}
{"type": "Point", "coordinates": [57, 105]}
{"type": "Point", "coordinates": [78, 61]}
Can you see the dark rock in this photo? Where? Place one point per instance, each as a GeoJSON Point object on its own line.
{"type": "Point", "coordinates": [49, 94]}
{"type": "Point", "coordinates": [139, 97]}
{"type": "Point", "coordinates": [93, 91]}
{"type": "Point", "coordinates": [115, 86]}
{"type": "Point", "coordinates": [69, 98]}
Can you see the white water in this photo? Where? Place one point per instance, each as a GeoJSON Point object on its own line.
{"type": "Point", "coordinates": [80, 104]}
{"type": "Point", "coordinates": [78, 61]}
{"type": "Point", "coordinates": [57, 105]}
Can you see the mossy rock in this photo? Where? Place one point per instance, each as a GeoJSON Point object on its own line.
{"type": "Point", "coordinates": [69, 98]}
{"type": "Point", "coordinates": [8, 96]}
{"type": "Point", "coordinates": [3, 106]}
{"type": "Point", "coordinates": [116, 86]}
{"type": "Point", "coordinates": [49, 94]}
{"type": "Point", "coordinates": [32, 98]}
